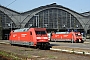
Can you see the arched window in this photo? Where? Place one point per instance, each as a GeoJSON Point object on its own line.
{"type": "Point", "coordinates": [6, 21]}
{"type": "Point", "coordinates": [54, 18]}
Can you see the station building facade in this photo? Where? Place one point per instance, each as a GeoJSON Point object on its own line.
{"type": "Point", "coordinates": [53, 17]}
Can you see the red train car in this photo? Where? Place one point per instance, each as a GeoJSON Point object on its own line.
{"type": "Point", "coordinates": [67, 36]}
{"type": "Point", "coordinates": [36, 37]}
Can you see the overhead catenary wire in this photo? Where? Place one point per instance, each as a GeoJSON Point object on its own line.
{"type": "Point", "coordinates": [10, 3]}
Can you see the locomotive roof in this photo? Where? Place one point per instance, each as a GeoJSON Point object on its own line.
{"type": "Point", "coordinates": [62, 32]}
{"type": "Point", "coordinates": [21, 30]}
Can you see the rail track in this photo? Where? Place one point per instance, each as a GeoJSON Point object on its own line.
{"type": "Point", "coordinates": [37, 54]}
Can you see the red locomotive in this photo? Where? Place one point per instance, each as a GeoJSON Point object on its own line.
{"type": "Point", "coordinates": [36, 37]}
{"type": "Point", "coordinates": [67, 36]}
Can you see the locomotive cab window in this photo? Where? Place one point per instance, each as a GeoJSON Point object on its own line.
{"type": "Point", "coordinates": [78, 35]}
{"type": "Point", "coordinates": [40, 32]}
{"type": "Point", "coordinates": [30, 33]}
